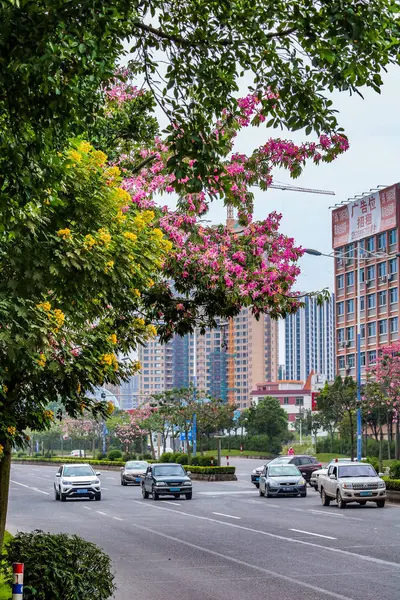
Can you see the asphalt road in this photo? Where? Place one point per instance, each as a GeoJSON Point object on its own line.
{"type": "Point", "coordinates": [225, 544]}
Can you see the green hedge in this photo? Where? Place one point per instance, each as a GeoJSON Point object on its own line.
{"type": "Point", "coordinates": [116, 463]}
{"type": "Point", "coordinates": [209, 470]}
{"type": "Point", "coordinates": [392, 484]}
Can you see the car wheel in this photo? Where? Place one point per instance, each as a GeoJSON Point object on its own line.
{"type": "Point", "coordinates": [340, 502]}
{"type": "Point", "coordinates": [324, 498]}
{"type": "Point", "coordinates": [154, 494]}
{"type": "Point", "coordinates": [260, 492]}
{"type": "Point", "coordinates": [144, 493]}
{"type": "Point", "coordinates": [63, 497]}
{"type": "Point", "coordinates": [122, 482]}
{"type": "Point", "coordinates": [188, 496]}
{"type": "Point", "coordinates": [315, 488]}
{"type": "Point", "coordinates": [303, 494]}
{"type": "Point", "coordinates": [380, 503]}
{"type": "Point", "coordinates": [56, 494]}
{"type": "Point", "coordinates": [268, 495]}
{"type": "Point", "coordinates": [97, 496]}
{"type": "Point", "coordinates": [362, 502]}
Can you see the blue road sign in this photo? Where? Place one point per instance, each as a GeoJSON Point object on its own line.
{"type": "Point", "coordinates": [236, 415]}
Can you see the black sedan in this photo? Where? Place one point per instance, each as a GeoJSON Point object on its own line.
{"type": "Point", "coordinates": [282, 480]}
{"type": "Point", "coordinates": [132, 472]}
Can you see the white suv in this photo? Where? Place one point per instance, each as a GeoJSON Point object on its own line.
{"type": "Point", "coordinates": [77, 481]}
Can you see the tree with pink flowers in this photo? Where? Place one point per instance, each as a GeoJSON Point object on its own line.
{"type": "Point", "coordinates": [382, 390]}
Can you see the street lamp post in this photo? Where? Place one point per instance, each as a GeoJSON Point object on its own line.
{"type": "Point", "coordinates": [368, 255]}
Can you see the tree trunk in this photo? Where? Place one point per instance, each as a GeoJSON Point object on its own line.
{"type": "Point", "coordinates": [188, 445]}
{"type": "Point", "coordinates": [397, 450]}
{"type": "Point", "coordinates": [380, 448]}
{"type": "Point", "coordinates": [351, 434]}
{"type": "Point", "coordinates": [5, 468]}
{"type": "Point", "coordinates": [152, 445]}
{"type": "Point", "coordinates": [388, 439]}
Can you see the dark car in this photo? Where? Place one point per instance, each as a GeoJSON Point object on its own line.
{"type": "Point", "coordinates": [166, 479]}
{"type": "Point", "coordinates": [132, 471]}
{"type": "Point", "coordinates": [305, 463]}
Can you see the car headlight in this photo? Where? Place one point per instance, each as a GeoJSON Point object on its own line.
{"type": "Point", "coordinates": [65, 482]}
{"type": "Point", "coordinates": [188, 483]}
{"type": "Point", "coordinates": [273, 483]}
{"type": "Point", "coordinates": [301, 482]}
{"type": "Point", "coordinates": [348, 486]}
{"type": "Point", "coordinates": [381, 484]}
{"type": "Point", "coordinates": [96, 481]}
{"type": "Point", "coordinates": [161, 483]}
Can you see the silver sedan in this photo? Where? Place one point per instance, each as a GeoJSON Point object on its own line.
{"type": "Point", "coordinates": [132, 472]}
{"type": "Point", "coordinates": [282, 480]}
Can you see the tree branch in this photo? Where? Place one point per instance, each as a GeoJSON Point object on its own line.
{"type": "Point", "coordinates": [180, 41]}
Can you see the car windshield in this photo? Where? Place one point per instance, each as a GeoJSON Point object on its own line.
{"type": "Point", "coordinates": [283, 470]}
{"type": "Point", "coordinates": [79, 471]}
{"type": "Point", "coordinates": [281, 460]}
{"type": "Point", "coordinates": [357, 471]}
{"type": "Point", "coordinates": [168, 471]}
{"type": "Point", "coordinates": [136, 464]}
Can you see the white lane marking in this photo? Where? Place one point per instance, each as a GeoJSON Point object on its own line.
{"type": "Point", "coordinates": [169, 502]}
{"type": "Point", "coordinates": [262, 504]}
{"type": "Point", "coordinates": [88, 508]}
{"type": "Point", "coordinates": [242, 563]}
{"type": "Point", "coordinates": [29, 487]}
{"type": "Point", "coordinates": [323, 512]}
{"type": "Point", "coordinates": [101, 513]}
{"type": "Point", "coordinates": [224, 515]}
{"type": "Point", "coordinates": [112, 478]}
{"type": "Point", "coordinates": [117, 519]}
{"type": "Point", "coordinates": [372, 559]}
{"type": "Point", "coordinates": [225, 493]}
{"type": "Point", "coordinates": [329, 514]}
{"type": "Point", "coordinates": [103, 488]}
{"type": "Point", "coordinates": [328, 537]}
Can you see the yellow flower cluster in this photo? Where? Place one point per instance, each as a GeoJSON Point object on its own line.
{"type": "Point", "coordinates": [5, 389]}
{"type": "Point", "coordinates": [139, 222]}
{"type": "Point", "coordinates": [113, 338]}
{"type": "Point", "coordinates": [48, 414]}
{"type": "Point", "coordinates": [109, 266]}
{"type": "Point", "coordinates": [150, 283]}
{"type": "Point", "coordinates": [89, 241]}
{"type": "Point", "coordinates": [109, 360]}
{"type": "Point", "coordinates": [1, 449]}
{"type": "Point", "coordinates": [147, 216]}
{"type": "Point", "coordinates": [64, 233]}
{"type": "Point", "coordinates": [85, 147]}
{"type": "Point", "coordinates": [120, 218]}
{"type": "Point", "coordinates": [122, 196]}
{"type": "Point", "coordinates": [152, 331]}
{"type": "Point", "coordinates": [110, 408]}
{"type": "Point", "coordinates": [136, 366]}
{"type": "Point", "coordinates": [104, 237]}
{"type": "Point", "coordinates": [138, 322]}
{"type": "Point", "coordinates": [75, 155]}
{"type": "Point", "coordinates": [60, 317]}
{"type": "Point", "coordinates": [112, 173]}
{"type": "Point", "coordinates": [130, 236]}
{"type": "Point", "coordinates": [136, 292]}
{"type": "Point", "coordinates": [41, 361]}
{"type": "Point", "coordinates": [46, 306]}
{"type": "Point", "coordinates": [11, 430]}
{"type": "Point", "coordinates": [99, 158]}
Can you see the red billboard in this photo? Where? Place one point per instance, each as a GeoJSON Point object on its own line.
{"type": "Point", "coordinates": [364, 217]}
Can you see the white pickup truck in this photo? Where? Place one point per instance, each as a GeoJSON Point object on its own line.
{"type": "Point", "coordinates": [351, 482]}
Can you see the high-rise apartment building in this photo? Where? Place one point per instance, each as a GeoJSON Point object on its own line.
{"type": "Point", "coordinates": [310, 340]}
{"type": "Point", "coordinates": [175, 364]}
{"type": "Point", "coordinates": [366, 229]}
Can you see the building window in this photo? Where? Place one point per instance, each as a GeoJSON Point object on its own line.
{"type": "Point", "coordinates": [362, 275]}
{"type": "Point", "coordinates": [350, 306]}
{"type": "Point", "coordinates": [350, 334]}
{"type": "Point", "coordinates": [382, 269]}
{"type": "Point", "coordinates": [370, 245]}
{"type": "Point", "coordinates": [362, 331]}
{"type": "Point", "coordinates": [362, 303]}
{"type": "Point", "coordinates": [350, 278]}
{"type": "Point", "coordinates": [339, 257]}
{"type": "Point", "coordinates": [286, 401]}
{"type": "Point", "coordinates": [300, 401]}
{"type": "Point", "coordinates": [382, 298]}
{"type": "Point", "coordinates": [341, 363]}
{"type": "Point", "coordinates": [340, 282]}
{"type": "Point", "coordinates": [371, 357]}
{"type": "Point", "coordinates": [393, 266]}
{"type": "Point", "coordinates": [392, 237]}
{"type": "Point", "coordinates": [349, 251]}
{"type": "Point", "coordinates": [340, 335]}
{"type": "Point", "coordinates": [362, 359]}
{"type": "Point", "coordinates": [382, 325]}
{"type": "Point", "coordinates": [371, 301]}
{"type": "Point", "coordinates": [372, 329]}
{"type": "Point", "coordinates": [371, 273]}
{"type": "Point", "coordinates": [340, 309]}
{"type": "Point", "coordinates": [394, 325]}
{"type": "Point", "coordinates": [394, 295]}
{"type": "Point", "coordinates": [350, 361]}
{"type": "Point", "coordinates": [382, 241]}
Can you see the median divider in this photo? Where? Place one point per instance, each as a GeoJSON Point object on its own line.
{"type": "Point", "coordinates": [197, 473]}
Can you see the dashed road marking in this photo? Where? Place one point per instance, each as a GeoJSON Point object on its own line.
{"type": "Point", "coordinates": [224, 515]}
{"type": "Point", "coordinates": [327, 537]}
{"type": "Point", "coordinates": [101, 513]}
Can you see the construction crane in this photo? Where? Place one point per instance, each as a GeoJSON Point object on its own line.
{"type": "Point", "coordinates": [230, 341]}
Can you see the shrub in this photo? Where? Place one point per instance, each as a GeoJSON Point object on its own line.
{"type": "Point", "coordinates": [392, 484]}
{"type": "Point", "coordinates": [206, 461]}
{"type": "Point", "coordinates": [372, 461]}
{"type": "Point", "coordinates": [37, 454]}
{"type": "Point", "coordinates": [166, 457]}
{"type": "Point", "coordinates": [114, 455]}
{"type": "Point", "coordinates": [128, 456]}
{"type": "Point", "coordinates": [101, 456]}
{"type": "Point", "coordinates": [395, 469]}
{"type": "Point", "coordinates": [209, 470]}
{"type": "Point", "coordinates": [146, 456]}
{"type": "Point", "coordinates": [180, 458]}
{"type": "Point", "coordinates": [59, 566]}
